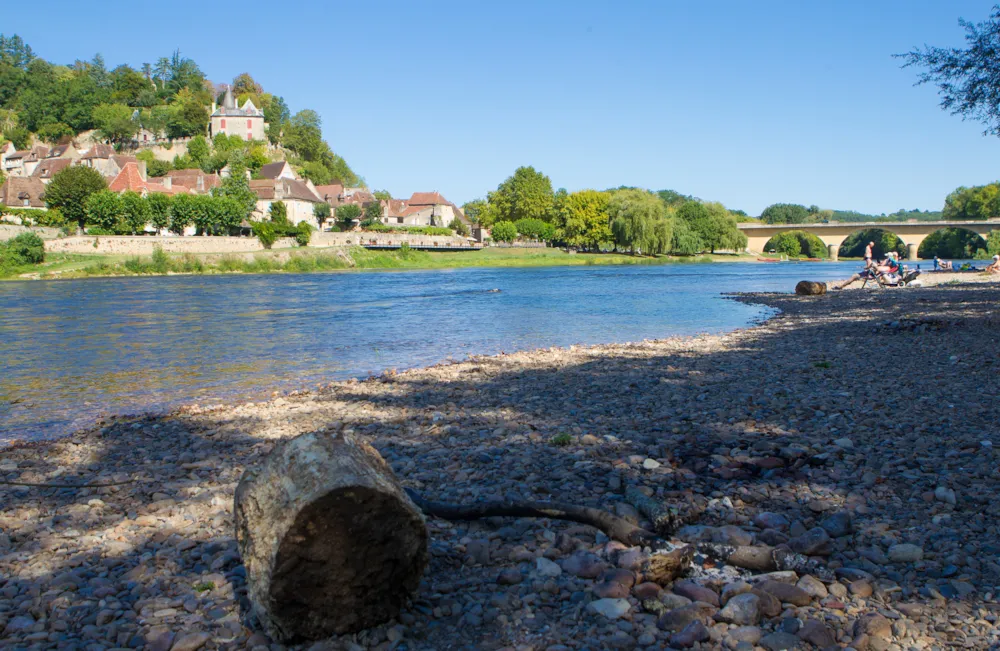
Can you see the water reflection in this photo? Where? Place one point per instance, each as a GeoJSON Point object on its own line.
{"type": "Point", "coordinates": [75, 350]}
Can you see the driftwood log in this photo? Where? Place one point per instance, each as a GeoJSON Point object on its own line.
{"type": "Point", "coordinates": [810, 288]}
{"type": "Point", "coordinates": [330, 542]}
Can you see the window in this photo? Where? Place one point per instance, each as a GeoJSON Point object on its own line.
{"type": "Point", "coordinates": [249, 125]}
{"type": "Point", "coordinates": [27, 202]}
{"type": "Point", "coordinates": [223, 125]}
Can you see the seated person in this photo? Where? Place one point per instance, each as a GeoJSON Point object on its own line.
{"type": "Point", "coordinates": [945, 265]}
{"type": "Point", "coordinates": [890, 264]}
{"type": "Point", "coordinates": [993, 267]}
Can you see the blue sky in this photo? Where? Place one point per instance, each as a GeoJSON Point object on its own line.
{"type": "Point", "coordinates": [747, 103]}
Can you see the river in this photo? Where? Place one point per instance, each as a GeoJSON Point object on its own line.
{"type": "Point", "coordinates": [74, 351]}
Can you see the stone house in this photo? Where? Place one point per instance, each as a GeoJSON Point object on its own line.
{"type": "Point", "coordinates": [50, 167]}
{"type": "Point", "coordinates": [104, 159]}
{"type": "Point", "coordinates": [21, 192]}
{"type": "Point", "coordinates": [299, 197]}
{"type": "Point", "coordinates": [247, 121]}
{"type": "Point", "coordinates": [194, 179]}
{"type": "Point", "coordinates": [277, 170]}
{"type": "Point", "coordinates": [133, 177]}
{"type": "Point", "coordinates": [421, 209]}
{"type": "Point", "coordinates": [23, 163]}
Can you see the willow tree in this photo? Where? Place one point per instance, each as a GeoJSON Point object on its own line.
{"type": "Point", "coordinates": [639, 222]}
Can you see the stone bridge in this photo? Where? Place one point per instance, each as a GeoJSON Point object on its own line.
{"type": "Point", "coordinates": [833, 234]}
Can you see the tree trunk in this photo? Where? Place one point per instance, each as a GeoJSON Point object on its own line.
{"type": "Point", "coordinates": [330, 541]}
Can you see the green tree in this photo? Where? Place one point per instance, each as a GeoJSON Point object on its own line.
{"type": "Point", "coordinates": [54, 132]}
{"type": "Point", "coordinates": [713, 224]}
{"type": "Point", "coordinates": [182, 212]}
{"type": "Point", "coordinates": [582, 219]}
{"type": "Point", "coordinates": [968, 80]}
{"type": "Point", "coordinates": [382, 195]}
{"type": "Point", "coordinates": [321, 211]}
{"type": "Point", "coordinates": [106, 211]}
{"type": "Point", "coordinates": [188, 118]}
{"type": "Point", "coordinates": [526, 194]}
{"type": "Point", "coordinates": [785, 213]}
{"type": "Point", "coordinates": [244, 84]}
{"type": "Point", "coordinates": [236, 186]}
{"type": "Point", "coordinates": [347, 214]}
{"type": "Point", "coordinates": [993, 242]}
{"type": "Point", "coordinates": [638, 222]}
{"type": "Point", "coordinates": [115, 123]}
{"type": "Point", "coordinates": [198, 150]}
{"type": "Point", "coordinates": [684, 240]}
{"type": "Point", "coordinates": [535, 229]}
{"type": "Point", "coordinates": [265, 232]}
{"type": "Point", "coordinates": [278, 212]}
{"type": "Point", "coordinates": [459, 227]}
{"type": "Point", "coordinates": [373, 211]}
{"type": "Point", "coordinates": [504, 231]}
{"type": "Point", "coordinates": [136, 212]}
{"type": "Point", "coordinates": [18, 135]}
{"type": "Point", "coordinates": [975, 203]}
{"type": "Point", "coordinates": [786, 243]}
{"type": "Point", "coordinates": [69, 189]}
{"type": "Point", "coordinates": [159, 209]}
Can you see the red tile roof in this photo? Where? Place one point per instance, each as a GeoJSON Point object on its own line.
{"type": "Point", "coordinates": [427, 199]}
{"type": "Point", "coordinates": [128, 179]}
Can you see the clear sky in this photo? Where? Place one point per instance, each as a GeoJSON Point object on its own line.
{"type": "Point", "coordinates": [747, 103]}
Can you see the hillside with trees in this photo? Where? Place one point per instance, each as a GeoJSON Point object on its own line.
{"type": "Point", "coordinates": [171, 97]}
{"type": "Point", "coordinates": [628, 219]}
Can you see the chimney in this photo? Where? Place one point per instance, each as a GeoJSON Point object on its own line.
{"type": "Point", "coordinates": [168, 182]}
{"type": "Point", "coordinates": [142, 169]}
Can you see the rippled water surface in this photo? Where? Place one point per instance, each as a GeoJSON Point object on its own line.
{"type": "Point", "coordinates": [73, 351]}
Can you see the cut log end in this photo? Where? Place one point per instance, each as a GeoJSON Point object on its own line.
{"type": "Point", "coordinates": [810, 288]}
{"type": "Point", "coordinates": [330, 541]}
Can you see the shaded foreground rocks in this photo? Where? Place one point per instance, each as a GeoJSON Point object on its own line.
{"type": "Point", "coordinates": [758, 437]}
{"type": "Point", "coordinates": [330, 541]}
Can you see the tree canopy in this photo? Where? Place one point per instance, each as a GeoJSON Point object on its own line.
{"type": "Point", "coordinates": [968, 79]}
{"type": "Point", "coordinates": [527, 194]}
{"type": "Point", "coordinates": [69, 190]}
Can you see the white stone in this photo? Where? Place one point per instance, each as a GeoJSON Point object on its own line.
{"type": "Point", "coordinates": [845, 443]}
{"type": "Point", "coordinates": [545, 567]}
{"type": "Point", "coordinates": [651, 464]}
{"type": "Point", "coordinates": [610, 608]}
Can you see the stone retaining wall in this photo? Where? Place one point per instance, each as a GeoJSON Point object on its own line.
{"type": "Point", "coordinates": [143, 245]}
{"type": "Point", "coordinates": [10, 231]}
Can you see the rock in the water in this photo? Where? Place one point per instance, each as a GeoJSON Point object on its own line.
{"type": "Point", "coordinates": [810, 288]}
{"type": "Point", "coordinates": [610, 608]}
{"type": "Point", "coordinates": [906, 553]}
{"type": "Point", "coordinates": [742, 610]}
{"type": "Point", "coordinates": [330, 541]}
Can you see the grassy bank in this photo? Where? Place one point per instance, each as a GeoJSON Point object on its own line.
{"type": "Point", "coordinates": [327, 259]}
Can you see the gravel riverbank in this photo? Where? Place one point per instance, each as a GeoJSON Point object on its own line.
{"type": "Point", "coordinates": [857, 427]}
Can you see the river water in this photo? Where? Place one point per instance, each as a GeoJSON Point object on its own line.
{"type": "Point", "coordinates": [74, 351]}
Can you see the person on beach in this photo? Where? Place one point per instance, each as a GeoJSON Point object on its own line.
{"type": "Point", "coordinates": [868, 254]}
{"type": "Point", "coordinates": [890, 264]}
{"type": "Point", "coordinates": [993, 267]}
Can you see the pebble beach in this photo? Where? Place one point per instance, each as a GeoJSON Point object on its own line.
{"type": "Point", "coordinates": [858, 428]}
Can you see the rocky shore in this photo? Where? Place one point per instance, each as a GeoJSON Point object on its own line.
{"type": "Point", "coordinates": [859, 428]}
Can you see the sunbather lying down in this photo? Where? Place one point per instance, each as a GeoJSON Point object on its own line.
{"type": "Point", "coordinates": [866, 273]}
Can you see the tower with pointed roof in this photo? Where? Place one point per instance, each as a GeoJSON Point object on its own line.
{"type": "Point", "coordinates": [246, 122]}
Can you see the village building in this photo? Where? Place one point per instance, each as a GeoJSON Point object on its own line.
{"type": "Point", "coordinates": [246, 122]}
{"type": "Point", "coordinates": [421, 209]}
{"type": "Point", "coordinates": [66, 150]}
{"type": "Point", "coordinates": [299, 197]}
{"type": "Point", "coordinates": [195, 179]}
{"type": "Point", "coordinates": [21, 192]}
{"type": "Point", "coordinates": [277, 170]}
{"type": "Point", "coordinates": [104, 159]}
{"type": "Point", "coordinates": [23, 163]}
{"type": "Point", "coordinates": [50, 167]}
{"type": "Point", "coordinates": [133, 177]}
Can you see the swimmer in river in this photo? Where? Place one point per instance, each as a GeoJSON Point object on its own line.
{"type": "Point", "coordinates": [493, 291]}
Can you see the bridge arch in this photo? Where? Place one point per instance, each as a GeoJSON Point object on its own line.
{"type": "Point", "coordinates": [833, 234]}
{"type": "Point", "coordinates": [967, 241]}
